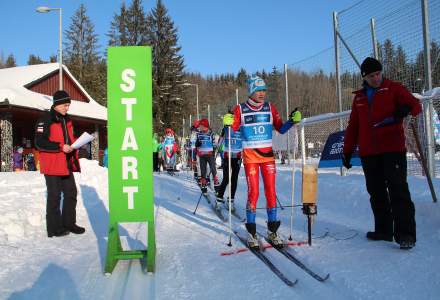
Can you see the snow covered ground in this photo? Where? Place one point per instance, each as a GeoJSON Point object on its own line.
{"type": "Point", "coordinates": [189, 264]}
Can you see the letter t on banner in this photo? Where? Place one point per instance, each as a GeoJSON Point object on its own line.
{"type": "Point", "coordinates": [130, 170]}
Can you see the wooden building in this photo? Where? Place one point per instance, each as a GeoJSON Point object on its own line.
{"type": "Point", "coordinates": [26, 93]}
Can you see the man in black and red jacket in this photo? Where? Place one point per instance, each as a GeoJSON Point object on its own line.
{"type": "Point", "coordinates": [376, 125]}
{"type": "Point", "coordinates": [58, 161]}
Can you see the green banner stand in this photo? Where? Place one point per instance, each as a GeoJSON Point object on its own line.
{"type": "Point", "coordinates": [130, 151]}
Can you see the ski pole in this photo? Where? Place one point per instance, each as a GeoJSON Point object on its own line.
{"type": "Point", "coordinates": [423, 161]}
{"type": "Point", "coordinates": [279, 203]}
{"type": "Point", "coordinates": [229, 186]}
{"type": "Point", "coordinates": [295, 134]}
{"type": "Point", "coordinates": [197, 203]}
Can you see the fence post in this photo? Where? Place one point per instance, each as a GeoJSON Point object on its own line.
{"type": "Point", "coordinates": [337, 71]}
{"type": "Point", "coordinates": [373, 38]}
{"type": "Point", "coordinates": [427, 109]}
{"type": "Point", "coordinates": [287, 112]}
{"type": "Point", "coordinates": [303, 145]}
{"type": "Point", "coordinates": [236, 96]}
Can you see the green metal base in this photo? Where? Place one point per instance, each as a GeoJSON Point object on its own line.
{"type": "Point", "coordinates": [115, 251]}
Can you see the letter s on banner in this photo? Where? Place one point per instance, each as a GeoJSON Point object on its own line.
{"type": "Point", "coordinates": [126, 76]}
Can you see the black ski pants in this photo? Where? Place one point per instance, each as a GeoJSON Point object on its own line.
{"type": "Point", "coordinates": [58, 218]}
{"type": "Point", "coordinates": [393, 210]}
{"type": "Point", "coordinates": [204, 161]}
{"type": "Point", "coordinates": [156, 162]}
{"type": "Point", "coordinates": [235, 170]}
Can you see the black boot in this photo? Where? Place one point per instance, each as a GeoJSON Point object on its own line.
{"type": "Point", "coordinates": [379, 236]}
{"type": "Point", "coordinates": [407, 242]}
{"type": "Point", "coordinates": [59, 232]}
{"type": "Point", "coordinates": [77, 229]}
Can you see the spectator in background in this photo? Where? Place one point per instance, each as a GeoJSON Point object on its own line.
{"type": "Point", "coordinates": [18, 160]}
{"type": "Point", "coordinates": [105, 158]}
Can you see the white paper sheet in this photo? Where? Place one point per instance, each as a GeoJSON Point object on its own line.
{"type": "Point", "coordinates": [82, 140]}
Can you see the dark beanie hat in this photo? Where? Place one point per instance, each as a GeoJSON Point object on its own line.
{"type": "Point", "coordinates": [370, 65]}
{"type": "Point", "coordinates": [60, 97]}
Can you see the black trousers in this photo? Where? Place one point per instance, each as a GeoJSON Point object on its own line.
{"type": "Point", "coordinates": [204, 161]}
{"type": "Point", "coordinates": [155, 161]}
{"type": "Point", "coordinates": [56, 217]}
{"type": "Point", "coordinates": [235, 170]}
{"type": "Point", "coordinates": [393, 210]}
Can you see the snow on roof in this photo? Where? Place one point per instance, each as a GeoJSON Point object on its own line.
{"type": "Point", "coordinates": [13, 91]}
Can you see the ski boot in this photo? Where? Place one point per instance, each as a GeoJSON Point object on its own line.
{"type": "Point", "coordinates": [272, 235]}
{"type": "Point", "coordinates": [216, 183]}
{"type": "Point", "coordinates": [203, 186]}
{"type": "Point", "coordinates": [252, 240]}
{"type": "Point", "coordinates": [219, 201]}
{"type": "Point", "coordinates": [232, 205]}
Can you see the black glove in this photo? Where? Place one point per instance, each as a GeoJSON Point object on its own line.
{"type": "Point", "coordinates": [346, 157]}
{"type": "Point", "coordinates": [402, 111]}
{"type": "Point", "coordinates": [198, 143]}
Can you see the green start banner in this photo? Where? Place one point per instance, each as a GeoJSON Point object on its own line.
{"type": "Point", "coordinates": [130, 169]}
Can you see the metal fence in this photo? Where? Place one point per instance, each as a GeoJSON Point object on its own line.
{"type": "Point", "coordinates": [317, 129]}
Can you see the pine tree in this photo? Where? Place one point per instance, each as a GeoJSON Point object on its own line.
{"type": "Point", "coordinates": [274, 88]}
{"type": "Point", "coordinates": [35, 60]}
{"type": "Point", "coordinates": [118, 29]}
{"type": "Point", "coordinates": [388, 61]}
{"type": "Point", "coordinates": [53, 58]}
{"type": "Point", "coordinates": [2, 60]}
{"type": "Point", "coordinates": [129, 27]}
{"type": "Point", "coordinates": [137, 29]}
{"type": "Point", "coordinates": [168, 67]}
{"type": "Point", "coordinates": [10, 61]}
{"type": "Point", "coordinates": [82, 57]}
{"type": "Point", "coordinates": [435, 57]}
{"type": "Point", "coordinates": [242, 76]}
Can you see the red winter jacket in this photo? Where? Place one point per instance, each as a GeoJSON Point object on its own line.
{"type": "Point", "coordinates": [377, 140]}
{"type": "Point", "coordinates": [49, 140]}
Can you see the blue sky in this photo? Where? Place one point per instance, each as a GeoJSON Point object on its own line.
{"type": "Point", "coordinates": [216, 36]}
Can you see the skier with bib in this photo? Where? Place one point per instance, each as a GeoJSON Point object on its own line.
{"type": "Point", "coordinates": [232, 139]}
{"type": "Point", "coordinates": [194, 158]}
{"type": "Point", "coordinates": [256, 118]}
{"type": "Point", "coordinates": [170, 148]}
{"type": "Point", "coordinates": [205, 145]}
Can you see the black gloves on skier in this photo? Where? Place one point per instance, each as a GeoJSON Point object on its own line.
{"type": "Point", "coordinates": [346, 157]}
{"type": "Point", "coordinates": [402, 111]}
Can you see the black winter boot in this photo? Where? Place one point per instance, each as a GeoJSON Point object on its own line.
{"type": "Point", "coordinates": [379, 236]}
{"type": "Point", "coordinates": [407, 242]}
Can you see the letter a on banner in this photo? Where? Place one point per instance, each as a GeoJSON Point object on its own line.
{"type": "Point", "coordinates": [130, 170]}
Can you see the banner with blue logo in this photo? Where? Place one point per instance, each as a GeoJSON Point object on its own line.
{"type": "Point", "coordinates": [331, 156]}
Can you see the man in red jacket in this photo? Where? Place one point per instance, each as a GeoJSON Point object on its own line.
{"type": "Point", "coordinates": [58, 161]}
{"type": "Point", "coordinates": [375, 125]}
